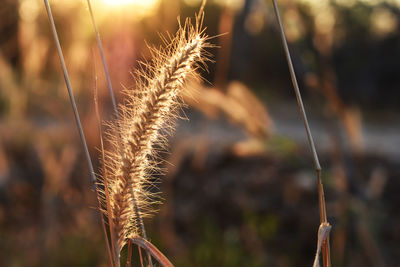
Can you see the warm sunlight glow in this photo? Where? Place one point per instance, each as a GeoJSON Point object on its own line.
{"type": "Point", "coordinates": [117, 2]}
{"type": "Point", "coordinates": [136, 8]}
{"type": "Point", "coordinates": [138, 3]}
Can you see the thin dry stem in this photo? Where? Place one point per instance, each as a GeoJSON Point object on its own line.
{"type": "Point", "coordinates": [105, 174]}
{"type": "Point", "coordinates": [129, 257]}
{"type": "Point", "coordinates": [76, 115]}
{"type": "Point", "coordinates": [317, 166]}
{"type": "Point", "coordinates": [140, 254]}
{"type": "Point", "coordinates": [103, 59]}
{"type": "Point", "coordinates": [143, 243]}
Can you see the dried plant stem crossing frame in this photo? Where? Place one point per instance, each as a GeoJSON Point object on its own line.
{"type": "Point", "coordinates": [317, 166]}
{"type": "Point", "coordinates": [77, 118]}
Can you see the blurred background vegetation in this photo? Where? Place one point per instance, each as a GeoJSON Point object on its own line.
{"type": "Point", "coordinates": [240, 188]}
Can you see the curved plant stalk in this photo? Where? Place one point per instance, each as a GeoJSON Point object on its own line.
{"type": "Point", "coordinates": [77, 118]}
{"type": "Point", "coordinates": [149, 247]}
{"type": "Point", "coordinates": [317, 166]}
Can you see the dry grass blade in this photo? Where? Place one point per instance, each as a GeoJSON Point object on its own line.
{"type": "Point", "coordinates": [317, 166]}
{"type": "Point", "coordinates": [149, 247]}
{"type": "Point", "coordinates": [75, 110]}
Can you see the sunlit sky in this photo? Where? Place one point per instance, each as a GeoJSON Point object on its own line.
{"type": "Point", "coordinates": [138, 7]}
{"type": "Point", "coordinates": [138, 3]}
{"type": "Point", "coordinates": [119, 2]}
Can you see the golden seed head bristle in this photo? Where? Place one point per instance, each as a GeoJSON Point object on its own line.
{"type": "Point", "coordinates": [149, 108]}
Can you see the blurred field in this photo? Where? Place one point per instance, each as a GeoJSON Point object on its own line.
{"type": "Point", "coordinates": [239, 188]}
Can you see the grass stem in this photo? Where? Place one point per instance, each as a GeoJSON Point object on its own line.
{"type": "Point", "coordinates": [317, 166]}
{"type": "Point", "coordinates": [105, 176]}
{"type": "Point", "coordinates": [103, 59]}
{"type": "Point", "coordinates": [76, 114]}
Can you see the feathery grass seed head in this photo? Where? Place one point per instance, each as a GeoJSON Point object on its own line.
{"type": "Point", "coordinates": [147, 113]}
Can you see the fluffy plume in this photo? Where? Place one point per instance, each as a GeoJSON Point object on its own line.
{"type": "Point", "coordinates": [148, 110]}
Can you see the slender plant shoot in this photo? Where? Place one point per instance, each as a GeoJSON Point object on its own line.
{"type": "Point", "coordinates": [75, 110]}
{"type": "Point", "coordinates": [317, 166]}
